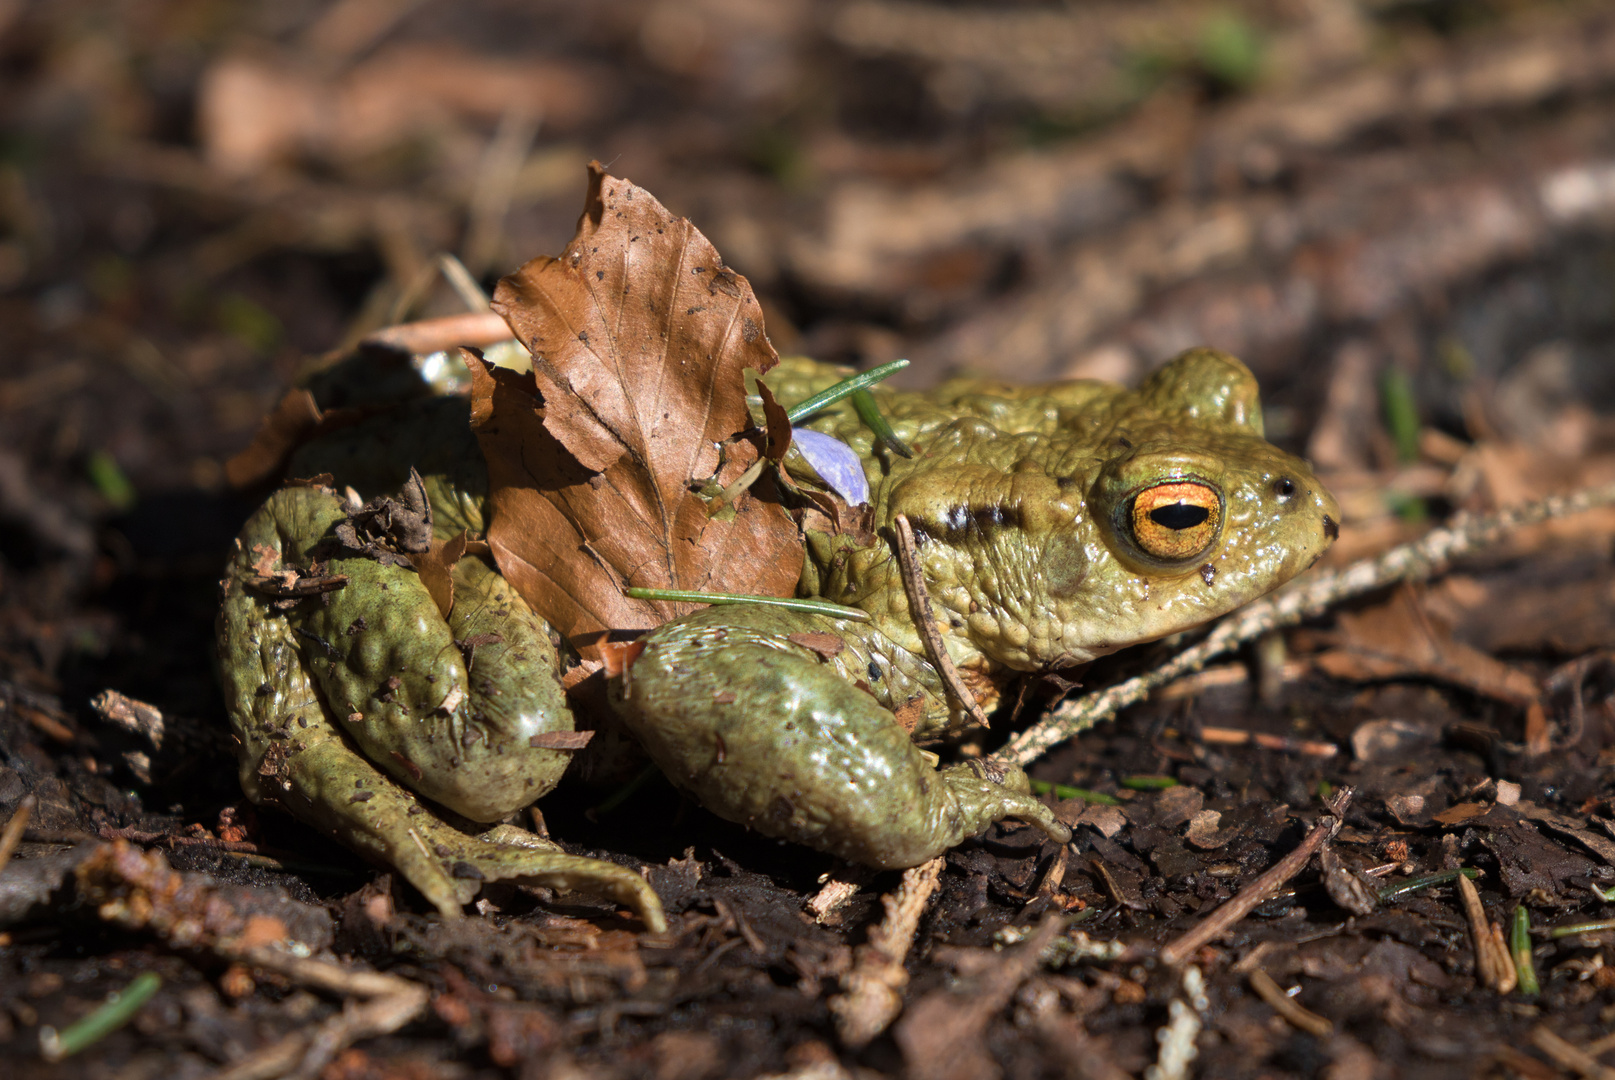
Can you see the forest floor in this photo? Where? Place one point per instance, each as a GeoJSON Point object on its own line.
{"type": "Point", "coordinates": [1401, 215]}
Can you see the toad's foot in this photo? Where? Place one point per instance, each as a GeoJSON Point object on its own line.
{"type": "Point", "coordinates": [367, 811]}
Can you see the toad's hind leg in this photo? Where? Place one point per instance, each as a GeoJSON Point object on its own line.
{"type": "Point", "coordinates": [280, 679]}
{"type": "Point", "coordinates": [765, 732]}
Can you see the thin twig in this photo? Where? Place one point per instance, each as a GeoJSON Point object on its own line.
{"type": "Point", "coordinates": [276, 1059]}
{"type": "Point", "coordinates": [742, 927]}
{"type": "Point", "coordinates": [380, 1016]}
{"type": "Point", "coordinates": [1226, 736]}
{"type": "Point", "coordinates": [1492, 963]}
{"type": "Point", "coordinates": [320, 974]}
{"type": "Point", "coordinates": [12, 836]}
{"type": "Point", "coordinates": [477, 329]}
{"type": "Point", "coordinates": [1110, 884]}
{"type": "Point", "coordinates": [919, 604]}
{"type": "Point", "coordinates": [1568, 1056]}
{"type": "Point", "coordinates": [496, 185]}
{"type": "Point", "coordinates": [463, 282]}
{"type": "Point", "coordinates": [1287, 1007]}
{"type": "Point", "coordinates": [1257, 892]}
{"type": "Point", "coordinates": [391, 1002]}
{"type": "Point", "coordinates": [1420, 559]}
{"type": "Point", "coordinates": [873, 990]}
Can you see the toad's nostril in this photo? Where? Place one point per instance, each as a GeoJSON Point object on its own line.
{"type": "Point", "coordinates": [1330, 528]}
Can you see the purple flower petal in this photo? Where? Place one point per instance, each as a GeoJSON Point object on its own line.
{"type": "Point", "coordinates": [835, 461]}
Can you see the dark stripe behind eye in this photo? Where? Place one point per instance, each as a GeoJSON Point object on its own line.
{"type": "Point", "coordinates": [958, 520]}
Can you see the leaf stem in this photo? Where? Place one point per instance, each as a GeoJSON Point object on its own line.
{"type": "Point", "coordinates": [812, 607]}
{"type": "Point", "coordinates": [830, 395]}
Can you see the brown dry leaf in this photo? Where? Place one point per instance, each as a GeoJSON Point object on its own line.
{"type": "Point", "coordinates": [1400, 638]}
{"type": "Point", "coordinates": [640, 338]}
{"type": "Point", "coordinates": [826, 512]}
{"type": "Point", "coordinates": [1462, 812]}
{"type": "Point", "coordinates": [942, 1034]}
{"type": "Point", "coordinates": [1206, 833]}
{"type": "Point", "coordinates": [293, 418]}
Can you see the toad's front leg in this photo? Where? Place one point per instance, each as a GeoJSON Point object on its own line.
{"type": "Point", "coordinates": [344, 703]}
{"type": "Point", "coordinates": [770, 733]}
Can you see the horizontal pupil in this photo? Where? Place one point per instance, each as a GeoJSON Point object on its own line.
{"type": "Point", "coordinates": [1179, 516]}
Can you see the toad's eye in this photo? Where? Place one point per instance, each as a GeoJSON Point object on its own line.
{"type": "Point", "coordinates": [1176, 520]}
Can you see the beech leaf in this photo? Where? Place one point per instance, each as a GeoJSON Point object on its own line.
{"type": "Point", "coordinates": [640, 339]}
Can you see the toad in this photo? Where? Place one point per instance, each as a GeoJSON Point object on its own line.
{"type": "Point", "coordinates": [1052, 525]}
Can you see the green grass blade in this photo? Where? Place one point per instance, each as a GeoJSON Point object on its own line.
{"type": "Point", "coordinates": [869, 412]}
{"type": "Point", "coordinates": [117, 1011]}
{"type": "Point", "coordinates": [1065, 791]}
{"type": "Point", "coordinates": [1519, 945]}
{"type": "Point", "coordinates": [830, 395]}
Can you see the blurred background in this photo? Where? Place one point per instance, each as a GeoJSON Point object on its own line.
{"type": "Point", "coordinates": [1401, 213]}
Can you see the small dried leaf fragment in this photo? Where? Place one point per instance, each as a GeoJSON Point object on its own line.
{"type": "Point", "coordinates": [436, 568]}
{"type": "Point", "coordinates": [1345, 888]}
{"type": "Point", "coordinates": [385, 527]}
{"type": "Point", "coordinates": [825, 644]}
{"type": "Point", "coordinates": [640, 339]}
{"type": "Point", "coordinates": [619, 656]}
{"type": "Point", "coordinates": [777, 422]}
{"type": "Point", "coordinates": [560, 740]}
{"type": "Point", "coordinates": [910, 712]}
